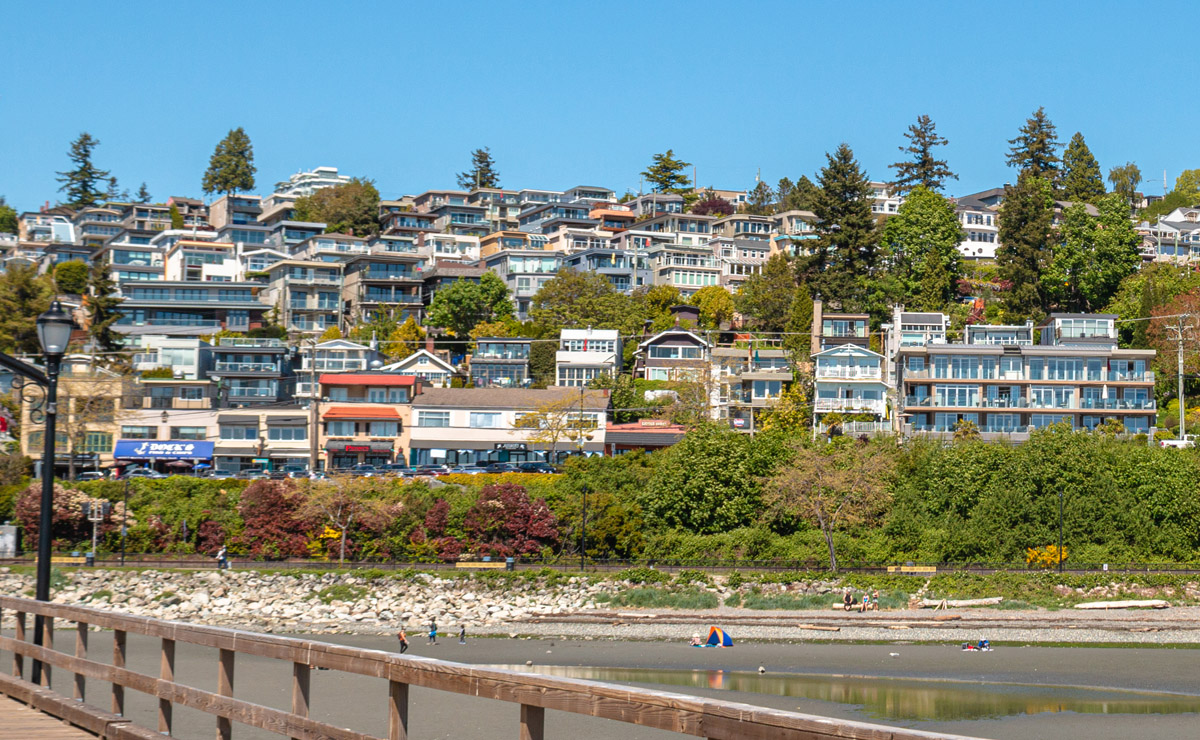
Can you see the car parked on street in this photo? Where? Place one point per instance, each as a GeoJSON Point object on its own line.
{"type": "Point", "coordinates": [467, 470]}
{"type": "Point", "coordinates": [431, 470]}
{"type": "Point", "coordinates": [220, 475]}
{"type": "Point", "coordinates": [90, 475]}
{"type": "Point", "coordinates": [536, 467]}
{"type": "Point", "coordinates": [251, 474]}
{"type": "Point", "coordinates": [364, 470]}
{"type": "Point", "coordinates": [501, 467]}
{"type": "Point", "coordinates": [141, 473]}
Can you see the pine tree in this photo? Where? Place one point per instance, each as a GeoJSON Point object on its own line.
{"type": "Point", "coordinates": [921, 242]}
{"type": "Point", "coordinates": [103, 308]}
{"type": "Point", "coordinates": [83, 183]}
{"type": "Point", "coordinates": [1026, 223]}
{"type": "Point", "coordinates": [799, 325]}
{"type": "Point", "coordinates": [1081, 179]}
{"type": "Point", "coordinates": [803, 195]}
{"type": "Point", "coordinates": [846, 254]}
{"type": "Point", "coordinates": [9, 224]}
{"type": "Point", "coordinates": [922, 168]}
{"type": "Point", "coordinates": [176, 217]}
{"type": "Point", "coordinates": [783, 189]}
{"type": "Point", "coordinates": [1035, 149]}
{"type": "Point", "coordinates": [143, 194]}
{"type": "Point", "coordinates": [765, 299]}
{"type": "Point", "coordinates": [483, 172]}
{"type": "Point", "coordinates": [114, 192]}
{"type": "Point", "coordinates": [231, 168]}
{"type": "Point", "coordinates": [666, 174]}
{"type": "Point", "coordinates": [762, 200]}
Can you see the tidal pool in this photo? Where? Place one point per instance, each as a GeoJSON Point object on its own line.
{"type": "Point", "coordinates": [902, 699]}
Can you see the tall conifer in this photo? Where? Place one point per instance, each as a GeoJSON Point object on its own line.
{"type": "Point", "coordinates": [922, 168]}
{"type": "Point", "coordinates": [1081, 179]}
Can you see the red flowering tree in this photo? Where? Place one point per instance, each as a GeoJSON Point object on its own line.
{"type": "Point", "coordinates": [68, 524]}
{"type": "Point", "coordinates": [504, 521]}
{"type": "Point", "coordinates": [273, 528]}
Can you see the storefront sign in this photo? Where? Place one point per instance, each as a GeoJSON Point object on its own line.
{"type": "Point", "coordinates": [353, 447]}
{"type": "Point", "coordinates": [739, 423]}
{"type": "Point", "coordinates": [148, 449]}
{"type": "Point", "coordinates": [511, 446]}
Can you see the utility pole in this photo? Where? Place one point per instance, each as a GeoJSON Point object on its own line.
{"type": "Point", "coordinates": [314, 392]}
{"type": "Point", "coordinates": [1178, 331]}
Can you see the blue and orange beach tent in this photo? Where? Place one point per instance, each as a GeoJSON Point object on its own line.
{"type": "Point", "coordinates": [717, 637]}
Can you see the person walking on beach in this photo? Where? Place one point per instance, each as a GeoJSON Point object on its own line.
{"type": "Point", "coordinates": [462, 634]}
{"type": "Point", "coordinates": [432, 632]}
{"type": "Point", "coordinates": [222, 559]}
{"type": "Point", "coordinates": [403, 638]}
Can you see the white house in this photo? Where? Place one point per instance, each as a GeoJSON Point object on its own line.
{"type": "Point", "coordinates": [585, 354]}
{"type": "Point", "coordinates": [435, 371]}
{"type": "Point", "coordinates": [849, 379]}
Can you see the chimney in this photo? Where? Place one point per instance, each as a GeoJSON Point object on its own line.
{"type": "Point", "coordinates": [429, 343]}
{"type": "Point", "coordinates": [817, 314]}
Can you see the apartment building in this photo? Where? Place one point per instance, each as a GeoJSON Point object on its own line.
{"type": "Point", "coordinates": [364, 417]}
{"type": "Point", "coordinates": [476, 426]}
{"type": "Point", "coordinates": [688, 268]}
{"type": "Point", "coordinates": [192, 210]}
{"type": "Point", "coordinates": [500, 361]}
{"type": "Point", "coordinates": [612, 217]}
{"type": "Point", "coordinates": [794, 232]}
{"type": "Point", "coordinates": [550, 217]}
{"type": "Point", "coordinates": [184, 308]}
{"type": "Point", "coordinates": [614, 263]}
{"type": "Point", "coordinates": [501, 207]}
{"type": "Point", "coordinates": [460, 247]}
{"type": "Point", "coordinates": [249, 371]}
{"type": "Point", "coordinates": [687, 229]}
{"type": "Point", "coordinates": [308, 295]}
{"type": "Point", "coordinates": [202, 261]}
{"type": "Point", "coordinates": [268, 439]}
{"type": "Point", "coordinates": [884, 202]}
{"type": "Point", "coordinates": [1008, 380]}
{"type": "Point", "coordinates": [187, 357]}
{"type": "Point", "coordinates": [332, 356]}
{"type": "Point", "coordinates": [744, 226]}
{"type": "Point", "coordinates": [655, 204]}
{"type": "Point", "coordinates": [524, 271]}
{"type": "Point", "coordinates": [585, 354]}
{"type": "Point", "coordinates": [390, 284]}
{"type": "Point", "coordinates": [309, 182]}
{"type": "Point", "coordinates": [849, 380]}
{"type": "Point", "coordinates": [747, 380]}
{"type": "Point", "coordinates": [739, 259]}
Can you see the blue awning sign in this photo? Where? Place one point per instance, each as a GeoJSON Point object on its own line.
{"type": "Point", "coordinates": [149, 449]}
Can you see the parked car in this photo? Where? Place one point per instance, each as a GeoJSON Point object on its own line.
{"type": "Point", "coordinates": [318, 475]}
{"type": "Point", "coordinates": [467, 470]}
{"type": "Point", "coordinates": [1189, 440]}
{"type": "Point", "coordinates": [295, 471]}
{"type": "Point", "coordinates": [499, 467]}
{"type": "Point", "coordinates": [141, 473]}
{"type": "Point", "coordinates": [220, 475]}
{"type": "Point", "coordinates": [277, 474]}
{"type": "Point", "coordinates": [536, 467]}
{"type": "Point", "coordinates": [364, 470]}
{"type": "Point", "coordinates": [393, 469]}
{"type": "Point", "coordinates": [90, 475]}
{"type": "Point", "coordinates": [251, 474]}
{"type": "Point", "coordinates": [430, 470]}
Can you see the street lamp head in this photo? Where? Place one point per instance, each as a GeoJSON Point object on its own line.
{"type": "Point", "coordinates": [54, 330]}
{"type": "Point", "coordinates": [165, 417]}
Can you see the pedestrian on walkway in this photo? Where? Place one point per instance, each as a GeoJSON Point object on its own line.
{"type": "Point", "coordinates": [432, 632]}
{"type": "Point", "coordinates": [462, 634]}
{"type": "Point", "coordinates": [403, 638]}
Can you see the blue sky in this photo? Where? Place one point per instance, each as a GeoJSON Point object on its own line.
{"type": "Point", "coordinates": [569, 93]}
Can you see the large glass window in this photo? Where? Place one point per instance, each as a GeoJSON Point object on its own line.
{"type": "Point", "coordinates": [287, 434]}
{"type": "Point", "coordinates": [385, 429]}
{"type": "Point", "coordinates": [433, 418]}
{"type": "Point", "coordinates": [189, 433]}
{"type": "Point", "coordinates": [239, 432]}
{"type": "Point", "coordinates": [139, 432]}
{"type": "Point", "coordinates": [675, 353]}
{"type": "Point", "coordinates": [485, 420]}
{"type": "Point", "coordinates": [340, 428]}
{"type": "Point", "coordinates": [98, 442]}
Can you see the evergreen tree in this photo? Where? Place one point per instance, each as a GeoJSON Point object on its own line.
{"type": "Point", "coordinates": [1081, 180]}
{"type": "Point", "coordinates": [803, 196]}
{"type": "Point", "coordinates": [114, 192]}
{"type": "Point", "coordinates": [797, 340]}
{"type": "Point", "coordinates": [1125, 180]}
{"type": "Point", "coordinates": [143, 194]}
{"type": "Point", "coordinates": [922, 168]}
{"type": "Point", "coordinates": [231, 168]}
{"type": "Point", "coordinates": [349, 208]}
{"type": "Point", "coordinates": [71, 277]}
{"type": "Point", "coordinates": [483, 172]}
{"type": "Point", "coordinates": [103, 308]}
{"type": "Point", "coordinates": [176, 217]}
{"type": "Point", "coordinates": [83, 184]}
{"type": "Point", "coordinates": [1026, 223]}
{"type": "Point", "coordinates": [921, 242]}
{"type": "Point", "coordinates": [762, 200]}
{"type": "Point", "coordinates": [23, 295]}
{"type": "Point", "coordinates": [846, 254]}
{"type": "Point", "coordinates": [666, 174]}
{"type": "Point", "coordinates": [765, 299]}
{"type": "Point", "coordinates": [9, 223]}
{"type": "Point", "coordinates": [782, 190]}
{"type": "Point", "coordinates": [1035, 149]}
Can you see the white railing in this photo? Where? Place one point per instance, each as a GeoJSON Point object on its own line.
{"type": "Point", "coordinates": [869, 373]}
{"type": "Point", "coordinates": [826, 405]}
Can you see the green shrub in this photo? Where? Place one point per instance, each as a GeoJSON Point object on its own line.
{"type": "Point", "coordinates": [643, 575]}
{"type": "Point", "coordinates": [734, 579]}
{"type": "Point", "coordinates": [103, 593]}
{"type": "Point", "coordinates": [340, 592]}
{"type": "Point", "coordinates": [658, 598]}
{"type": "Point", "coordinates": [685, 577]}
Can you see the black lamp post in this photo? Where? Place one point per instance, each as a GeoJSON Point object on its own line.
{"type": "Point", "coordinates": [54, 333]}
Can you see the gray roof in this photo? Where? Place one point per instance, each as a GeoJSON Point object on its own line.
{"type": "Point", "coordinates": [507, 398]}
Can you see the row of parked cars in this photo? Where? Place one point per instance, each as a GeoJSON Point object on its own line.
{"type": "Point", "coordinates": [393, 470]}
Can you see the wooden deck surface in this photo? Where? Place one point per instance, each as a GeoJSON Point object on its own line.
{"type": "Point", "coordinates": [20, 721]}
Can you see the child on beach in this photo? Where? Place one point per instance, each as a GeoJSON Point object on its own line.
{"type": "Point", "coordinates": [866, 603]}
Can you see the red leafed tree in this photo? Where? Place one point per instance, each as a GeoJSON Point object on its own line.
{"type": "Point", "coordinates": [713, 205]}
{"type": "Point", "coordinates": [272, 527]}
{"type": "Point", "coordinates": [68, 524]}
{"type": "Point", "coordinates": [437, 517]}
{"type": "Point", "coordinates": [504, 521]}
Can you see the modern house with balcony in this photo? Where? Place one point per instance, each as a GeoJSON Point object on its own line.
{"type": "Point", "coordinates": [614, 263]}
{"type": "Point", "coordinates": [747, 380]}
{"type": "Point", "coordinates": [408, 222]}
{"type": "Point", "coordinates": [96, 225]}
{"type": "Point", "coordinates": [835, 329]}
{"type": "Point", "coordinates": [501, 207]}
{"type": "Point", "coordinates": [655, 204]}
{"type": "Point", "coordinates": [307, 183]}
{"type": "Point", "coordinates": [364, 417]}
{"type": "Point", "coordinates": [688, 268]}
{"type": "Point", "coordinates": [187, 358]}
{"type": "Point", "coordinates": [585, 354]}
{"type": "Point", "coordinates": [689, 229]}
{"type": "Point", "coordinates": [190, 309]}
{"type": "Point", "coordinates": [739, 259]}
{"type": "Point", "coordinates": [387, 283]}
{"type": "Point", "coordinates": [674, 354]}
{"type": "Point", "coordinates": [330, 248]}
{"type": "Point", "coordinates": [524, 272]}
{"type": "Point", "coordinates": [192, 210]}
{"type": "Point", "coordinates": [919, 329]}
{"type": "Point", "coordinates": [461, 247]}
{"type": "Point", "coordinates": [132, 262]}
{"type": "Point", "coordinates": [794, 232]}
{"type": "Point", "coordinates": [590, 194]}
{"type": "Point", "coordinates": [202, 261]}
{"type": "Point", "coordinates": [612, 217]}
{"type": "Point", "coordinates": [308, 294]}
{"type": "Point", "coordinates": [445, 273]}
{"type": "Point", "coordinates": [250, 371]}
{"type": "Point", "coordinates": [461, 219]}
{"type": "Point", "coordinates": [1004, 384]}
{"type": "Point", "coordinates": [234, 210]}
{"type": "Point", "coordinates": [551, 217]}
{"type": "Point", "coordinates": [465, 426]}
{"type": "Point", "coordinates": [744, 226]}
{"type": "Point", "coordinates": [850, 390]}
{"type": "Point", "coordinates": [501, 362]}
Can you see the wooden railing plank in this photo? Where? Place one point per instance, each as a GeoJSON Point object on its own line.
{"type": "Point", "coordinates": [167, 676]}
{"type": "Point", "coordinates": [673, 712]}
{"type": "Point", "coordinates": [18, 659]}
{"type": "Point", "coordinates": [81, 642]}
{"type": "Point", "coordinates": [225, 688]}
{"type": "Point", "coordinates": [533, 723]}
{"type": "Point", "coordinates": [48, 642]}
{"type": "Point", "coordinates": [397, 710]}
{"type": "Point", "coordinates": [118, 691]}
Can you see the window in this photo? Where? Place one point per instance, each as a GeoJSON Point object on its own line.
{"type": "Point", "coordinates": [287, 434]}
{"type": "Point", "coordinates": [97, 442]}
{"type": "Point", "coordinates": [139, 432]}
{"type": "Point", "coordinates": [433, 418]}
{"type": "Point", "coordinates": [385, 429]}
{"type": "Point", "coordinates": [675, 353]}
{"type": "Point", "coordinates": [485, 420]}
{"type": "Point", "coordinates": [340, 428]}
{"type": "Point", "coordinates": [339, 394]}
{"type": "Point", "coordinates": [768, 388]}
{"type": "Point", "coordinates": [232, 432]}
{"type": "Point", "coordinates": [189, 433]}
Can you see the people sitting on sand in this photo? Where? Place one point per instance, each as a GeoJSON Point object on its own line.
{"type": "Point", "coordinates": [866, 603]}
{"type": "Point", "coordinates": [696, 640]}
{"type": "Point", "coordinates": [847, 601]}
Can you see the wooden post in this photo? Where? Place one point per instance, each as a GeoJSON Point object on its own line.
{"type": "Point", "coordinates": [225, 688]}
{"type": "Point", "coordinates": [18, 659]}
{"type": "Point", "coordinates": [81, 640]}
{"type": "Point", "coordinates": [533, 721]}
{"type": "Point", "coordinates": [300, 676]}
{"type": "Point", "coordinates": [48, 643]}
{"type": "Point", "coordinates": [118, 691]}
{"type": "Point", "coordinates": [166, 673]}
{"type": "Point", "coordinates": [397, 710]}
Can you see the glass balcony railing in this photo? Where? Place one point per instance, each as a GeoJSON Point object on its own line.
{"type": "Point", "coordinates": [247, 367]}
{"type": "Point", "coordinates": [251, 393]}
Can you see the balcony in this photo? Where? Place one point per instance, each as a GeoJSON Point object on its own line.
{"type": "Point", "coordinates": [248, 342]}
{"type": "Point", "coordinates": [855, 405]}
{"type": "Point", "coordinates": [247, 367]}
{"type": "Point", "coordinates": [251, 392]}
{"type": "Point", "coordinates": [856, 428]}
{"type": "Point", "coordinates": [848, 373]}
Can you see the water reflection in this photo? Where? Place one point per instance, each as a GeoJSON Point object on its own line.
{"type": "Point", "coordinates": [902, 699]}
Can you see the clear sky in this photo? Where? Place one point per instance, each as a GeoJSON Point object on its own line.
{"type": "Point", "coordinates": [568, 93]}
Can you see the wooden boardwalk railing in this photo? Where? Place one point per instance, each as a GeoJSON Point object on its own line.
{"type": "Point", "coordinates": [686, 715]}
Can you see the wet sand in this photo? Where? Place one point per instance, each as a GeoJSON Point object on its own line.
{"type": "Point", "coordinates": [359, 702]}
